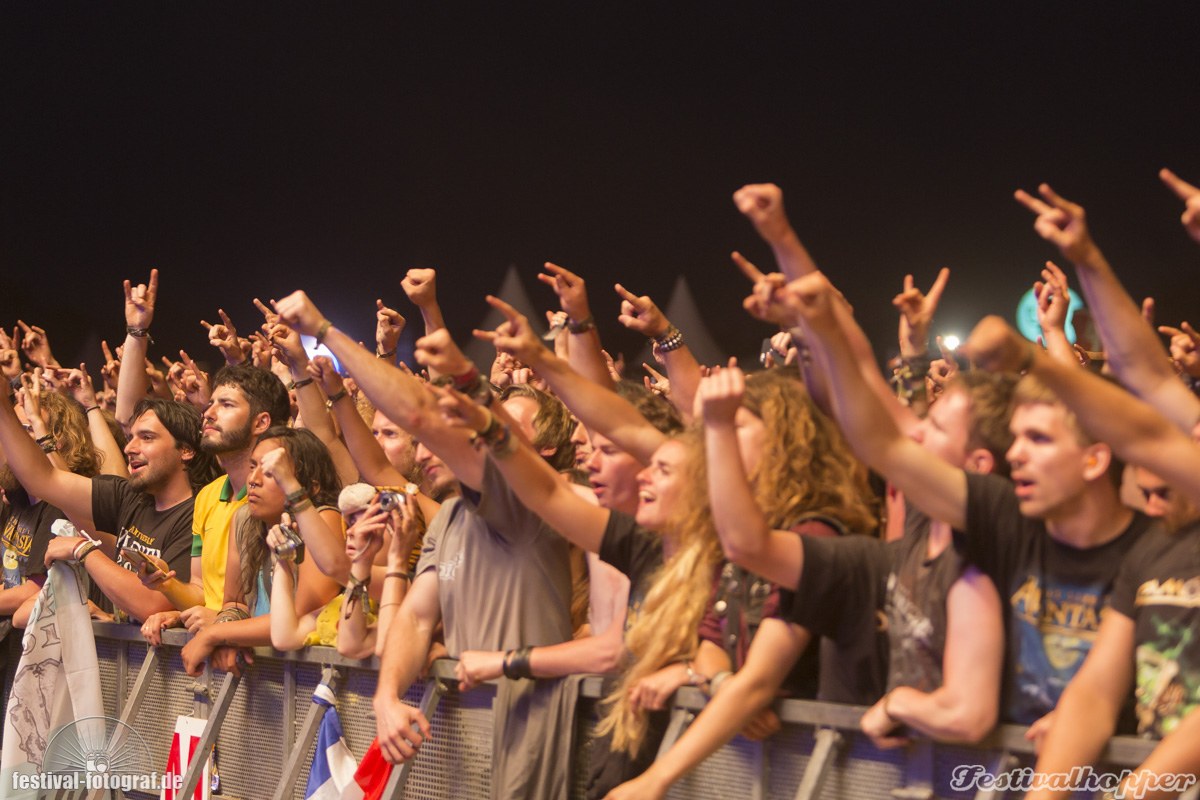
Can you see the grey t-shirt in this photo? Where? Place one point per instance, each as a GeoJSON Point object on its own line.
{"type": "Point", "coordinates": [504, 582]}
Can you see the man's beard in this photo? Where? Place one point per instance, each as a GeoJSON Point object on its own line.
{"type": "Point", "coordinates": [229, 442]}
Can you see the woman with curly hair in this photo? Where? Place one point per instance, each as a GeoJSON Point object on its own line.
{"type": "Point", "coordinates": [57, 424]}
{"type": "Point", "coordinates": [294, 483]}
{"type": "Point", "coordinates": [670, 549]}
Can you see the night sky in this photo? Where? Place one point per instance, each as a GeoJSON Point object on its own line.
{"type": "Point", "coordinates": [250, 149]}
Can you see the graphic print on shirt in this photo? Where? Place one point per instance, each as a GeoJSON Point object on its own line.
{"type": "Point", "coordinates": [1053, 631]}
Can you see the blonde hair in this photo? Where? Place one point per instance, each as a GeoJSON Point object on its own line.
{"type": "Point", "coordinates": [68, 425]}
{"type": "Point", "coordinates": [664, 628]}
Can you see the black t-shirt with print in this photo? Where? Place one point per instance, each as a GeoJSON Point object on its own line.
{"type": "Point", "coordinates": [840, 597]}
{"type": "Point", "coordinates": [634, 551]}
{"type": "Point", "coordinates": [132, 517]}
{"type": "Point", "coordinates": [23, 542]}
{"type": "Point", "coordinates": [1158, 587]}
{"type": "Point", "coordinates": [1046, 642]}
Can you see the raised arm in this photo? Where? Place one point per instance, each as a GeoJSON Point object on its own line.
{"type": "Point", "coordinates": [584, 353]}
{"type": "Point", "coordinates": [1134, 352]}
{"type": "Point", "coordinates": [70, 492]}
{"type": "Point", "coordinates": [132, 381]}
{"type": "Point", "coordinates": [400, 396]}
{"type": "Point", "coordinates": [596, 407]}
{"type": "Point", "coordinates": [746, 537]}
{"type": "Point", "coordinates": [927, 481]}
{"type": "Point", "coordinates": [78, 384]}
{"type": "Point", "coordinates": [642, 315]}
{"type": "Point", "coordinates": [1131, 427]}
{"type": "Point", "coordinates": [534, 482]}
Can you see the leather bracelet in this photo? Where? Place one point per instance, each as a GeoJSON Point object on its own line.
{"type": "Point", "coordinates": [402, 575]}
{"type": "Point", "coordinates": [90, 409]}
{"type": "Point", "coordinates": [333, 398]}
{"type": "Point", "coordinates": [140, 333]}
{"type": "Point", "coordinates": [322, 330]}
{"type": "Point", "coordinates": [301, 383]}
{"type": "Point", "coordinates": [389, 354]}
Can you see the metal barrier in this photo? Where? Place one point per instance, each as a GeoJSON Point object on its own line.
{"type": "Point", "coordinates": [264, 726]}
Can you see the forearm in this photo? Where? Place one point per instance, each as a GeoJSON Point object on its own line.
{"type": "Point", "coordinates": [598, 653]}
{"type": "Point", "coordinates": [369, 458]}
{"type": "Point", "coordinates": [791, 255]}
{"type": "Point", "coordinates": [398, 395]}
{"type": "Point", "coordinates": [405, 646]}
{"type": "Point", "coordinates": [287, 631]}
{"type": "Point", "coordinates": [325, 545]}
{"type": "Point", "coordinates": [11, 599]}
{"type": "Point", "coordinates": [1177, 754]}
{"type": "Point", "coordinates": [739, 521]}
{"type": "Point", "coordinates": [123, 587]}
{"type": "Point", "coordinates": [132, 381]}
{"type": "Point", "coordinates": [112, 461]}
{"type": "Point", "coordinates": [252, 632]}
{"type": "Point", "coordinates": [586, 358]}
{"type": "Point", "coordinates": [1058, 347]}
{"type": "Point", "coordinates": [600, 409]}
{"type": "Point", "coordinates": [1083, 724]}
{"type": "Point", "coordinates": [1131, 346]}
{"type": "Point", "coordinates": [181, 595]}
{"type": "Point", "coordinates": [739, 699]}
{"type": "Point", "coordinates": [683, 371]}
{"type": "Point", "coordinates": [942, 714]}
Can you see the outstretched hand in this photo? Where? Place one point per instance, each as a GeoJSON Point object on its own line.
{"type": "Point", "coordinates": [1060, 222]}
{"type": "Point", "coordinates": [514, 336]}
{"type": "Point", "coordinates": [140, 301]}
{"type": "Point", "coordinates": [1190, 195]}
{"type": "Point", "coordinates": [916, 312]}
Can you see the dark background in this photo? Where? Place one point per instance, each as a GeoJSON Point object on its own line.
{"type": "Point", "coordinates": [251, 149]}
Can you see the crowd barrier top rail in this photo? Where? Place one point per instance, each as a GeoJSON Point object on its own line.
{"type": "Point", "coordinates": [819, 753]}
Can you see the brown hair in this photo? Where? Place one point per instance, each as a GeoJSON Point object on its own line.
{"type": "Point", "coordinates": [552, 425]}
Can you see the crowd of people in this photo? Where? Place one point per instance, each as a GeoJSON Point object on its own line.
{"type": "Point", "coordinates": [1006, 533]}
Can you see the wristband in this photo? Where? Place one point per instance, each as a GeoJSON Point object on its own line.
{"type": "Point", "coordinates": [715, 683]}
{"type": "Point", "coordinates": [401, 575]}
{"type": "Point", "coordinates": [301, 383]}
{"type": "Point", "coordinates": [671, 340]}
{"type": "Point", "coordinates": [516, 664]}
{"type": "Point", "coordinates": [82, 550]}
{"type": "Point", "coordinates": [389, 354]}
{"type": "Point", "coordinates": [322, 330]}
{"type": "Point", "coordinates": [140, 333]}
{"type": "Point", "coordinates": [232, 614]}
{"type": "Point", "coordinates": [584, 325]}
{"type": "Point", "coordinates": [90, 409]}
{"type": "Point", "coordinates": [335, 397]}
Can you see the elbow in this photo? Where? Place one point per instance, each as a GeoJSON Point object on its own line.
{"type": "Point", "coordinates": [351, 648]}
{"type": "Point", "coordinates": [609, 657]}
{"type": "Point", "coordinates": [970, 723]}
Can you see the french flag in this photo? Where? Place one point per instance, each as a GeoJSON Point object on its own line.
{"type": "Point", "coordinates": [334, 774]}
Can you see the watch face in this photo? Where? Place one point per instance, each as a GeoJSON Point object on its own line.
{"type": "Point", "coordinates": [1027, 321]}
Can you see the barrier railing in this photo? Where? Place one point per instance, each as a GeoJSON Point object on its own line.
{"type": "Point", "coordinates": [264, 727]}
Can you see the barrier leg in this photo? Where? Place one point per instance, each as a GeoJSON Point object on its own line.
{"type": "Point", "coordinates": [134, 702]}
{"type": "Point", "coordinates": [680, 719]}
{"type": "Point", "coordinates": [827, 745]}
{"type": "Point", "coordinates": [209, 737]}
{"type": "Point", "coordinates": [918, 773]}
{"type": "Point", "coordinates": [1003, 762]}
{"type": "Point", "coordinates": [399, 777]}
{"type": "Point", "coordinates": [312, 722]}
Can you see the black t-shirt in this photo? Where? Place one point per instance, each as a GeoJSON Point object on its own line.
{"type": "Point", "coordinates": [840, 597]}
{"type": "Point", "coordinates": [131, 515]}
{"type": "Point", "coordinates": [917, 591]}
{"type": "Point", "coordinates": [1158, 587]}
{"type": "Point", "coordinates": [1046, 642]}
{"type": "Point", "coordinates": [24, 540]}
{"type": "Point", "coordinates": [634, 551]}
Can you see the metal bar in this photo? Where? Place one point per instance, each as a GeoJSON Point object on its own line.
{"type": "Point", "coordinates": [289, 699]}
{"type": "Point", "coordinates": [399, 777]}
{"type": "Point", "coordinates": [330, 676]}
{"type": "Point", "coordinates": [680, 719]}
{"type": "Point", "coordinates": [762, 771]}
{"type": "Point", "coordinates": [827, 743]}
{"type": "Point", "coordinates": [122, 675]}
{"type": "Point", "coordinates": [918, 772]}
{"type": "Point", "coordinates": [1003, 762]}
{"type": "Point", "coordinates": [133, 704]}
{"type": "Point", "coordinates": [209, 737]}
